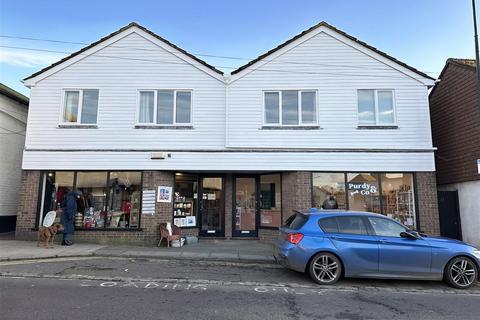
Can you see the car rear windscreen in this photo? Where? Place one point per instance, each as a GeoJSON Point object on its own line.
{"type": "Point", "coordinates": [296, 221]}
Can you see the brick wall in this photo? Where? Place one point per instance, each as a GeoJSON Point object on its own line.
{"type": "Point", "coordinates": [296, 192]}
{"type": "Point", "coordinates": [27, 205]}
{"type": "Point", "coordinates": [427, 203]}
{"type": "Point", "coordinates": [455, 118]}
{"type": "Point", "coordinates": [267, 235]}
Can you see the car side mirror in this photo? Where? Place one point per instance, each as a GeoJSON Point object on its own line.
{"type": "Point", "coordinates": [410, 235]}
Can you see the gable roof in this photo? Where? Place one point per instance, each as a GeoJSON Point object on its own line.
{"type": "Point", "coordinates": [326, 25]}
{"type": "Point", "coordinates": [130, 25]}
{"type": "Point", "coordinates": [13, 94]}
{"type": "Point", "coordinates": [469, 64]}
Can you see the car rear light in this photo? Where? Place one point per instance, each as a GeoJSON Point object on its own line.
{"type": "Point", "coordinates": [294, 238]}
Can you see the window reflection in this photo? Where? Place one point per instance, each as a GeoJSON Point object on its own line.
{"type": "Point", "coordinates": [328, 188]}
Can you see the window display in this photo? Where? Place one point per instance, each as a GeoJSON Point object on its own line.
{"type": "Point", "coordinates": [327, 185]}
{"type": "Point", "coordinates": [107, 199]}
{"type": "Point", "coordinates": [185, 200]}
{"type": "Point", "coordinates": [270, 201]}
{"type": "Point", "coordinates": [398, 197]}
{"type": "Point", "coordinates": [123, 210]}
{"type": "Point", "coordinates": [92, 189]}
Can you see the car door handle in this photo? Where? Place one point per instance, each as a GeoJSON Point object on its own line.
{"type": "Point", "coordinates": [382, 241]}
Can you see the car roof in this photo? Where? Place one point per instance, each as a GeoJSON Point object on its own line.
{"type": "Point", "coordinates": [336, 212]}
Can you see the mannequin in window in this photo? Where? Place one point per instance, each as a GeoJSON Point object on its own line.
{"type": "Point", "coordinates": [330, 203]}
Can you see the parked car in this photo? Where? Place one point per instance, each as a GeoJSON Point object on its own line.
{"type": "Point", "coordinates": [329, 244]}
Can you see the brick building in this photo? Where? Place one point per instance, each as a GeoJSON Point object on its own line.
{"type": "Point", "coordinates": [159, 135]}
{"type": "Point", "coordinates": [455, 115]}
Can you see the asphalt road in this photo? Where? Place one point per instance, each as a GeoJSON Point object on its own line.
{"type": "Point", "coordinates": [145, 289]}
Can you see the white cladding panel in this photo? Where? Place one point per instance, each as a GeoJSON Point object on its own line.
{"type": "Point", "coordinates": [230, 161]}
{"type": "Point", "coordinates": [118, 71]}
{"type": "Point", "coordinates": [336, 70]}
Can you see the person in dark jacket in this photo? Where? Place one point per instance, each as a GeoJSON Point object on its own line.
{"type": "Point", "coordinates": [69, 209]}
{"type": "Point", "coordinates": [330, 203]}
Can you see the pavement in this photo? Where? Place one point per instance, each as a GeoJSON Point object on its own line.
{"type": "Point", "coordinates": [215, 250]}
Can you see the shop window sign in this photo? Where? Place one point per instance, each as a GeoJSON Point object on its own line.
{"type": "Point", "coordinates": [362, 188]}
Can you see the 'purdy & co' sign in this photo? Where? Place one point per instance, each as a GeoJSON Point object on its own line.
{"type": "Point", "coordinates": [362, 188]}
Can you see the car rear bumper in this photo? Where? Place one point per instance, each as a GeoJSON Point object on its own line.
{"type": "Point", "coordinates": [289, 257]}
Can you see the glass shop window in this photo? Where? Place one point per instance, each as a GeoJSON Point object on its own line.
{"type": "Point", "coordinates": [363, 192]}
{"type": "Point", "coordinates": [270, 201]}
{"type": "Point", "coordinates": [124, 196]}
{"type": "Point", "coordinates": [56, 185]}
{"type": "Point", "coordinates": [328, 190]}
{"type": "Point", "coordinates": [185, 200]}
{"type": "Point", "coordinates": [398, 197]}
{"type": "Point", "coordinates": [91, 205]}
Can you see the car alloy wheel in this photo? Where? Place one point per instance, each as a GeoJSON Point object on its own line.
{"type": "Point", "coordinates": [461, 272]}
{"type": "Point", "coordinates": [325, 268]}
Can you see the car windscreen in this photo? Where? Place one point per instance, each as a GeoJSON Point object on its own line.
{"type": "Point", "coordinates": [296, 221]}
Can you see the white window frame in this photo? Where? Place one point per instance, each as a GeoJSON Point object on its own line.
{"type": "Point", "coordinates": [155, 107]}
{"type": "Point", "coordinates": [80, 107]}
{"type": "Point", "coordinates": [300, 120]}
{"type": "Point", "coordinates": [375, 100]}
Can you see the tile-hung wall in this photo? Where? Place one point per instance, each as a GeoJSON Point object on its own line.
{"type": "Point", "coordinates": [391, 194]}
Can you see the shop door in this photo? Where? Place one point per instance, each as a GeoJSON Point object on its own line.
{"type": "Point", "coordinates": [245, 208]}
{"type": "Point", "coordinates": [212, 207]}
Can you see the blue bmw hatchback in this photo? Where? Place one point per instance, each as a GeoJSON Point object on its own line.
{"type": "Point", "coordinates": [329, 244]}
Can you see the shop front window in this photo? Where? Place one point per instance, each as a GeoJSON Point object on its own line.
{"type": "Point", "coordinates": [185, 200]}
{"type": "Point", "coordinates": [398, 197]}
{"type": "Point", "coordinates": [328, 190]}
{"type": "Point", "coordinates": [56, 185]}
{"type": "Point", "coordinates": [124, 189]}
{"type": "Point", "coordinates": [107, 199]}
{"type": "Point", "coordinates": [363, 192]}
{"type": "Point", "coordinates": [91, 187]}
{"type": "Point", "coordinates": [270, 201]}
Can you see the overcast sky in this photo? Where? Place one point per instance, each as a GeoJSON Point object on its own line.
{"type": "Point", "coordinates": [421, 33]}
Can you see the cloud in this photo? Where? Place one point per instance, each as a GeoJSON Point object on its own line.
{"type": "Point", "coordinates": [28, 59]}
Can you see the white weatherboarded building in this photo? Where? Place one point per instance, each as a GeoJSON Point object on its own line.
{"type": "Point", "coordinates": [322, 115]}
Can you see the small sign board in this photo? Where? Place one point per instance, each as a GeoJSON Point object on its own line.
{"type": "Point", "coordinates": [478, 166]}
{"type": "Point", "coordinates": [148, 202]}
{"type": "Point", "coordinates": [164, 194]}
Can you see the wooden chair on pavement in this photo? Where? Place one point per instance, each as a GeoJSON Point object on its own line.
{"type": "Point", "coordinates": [164, 234]}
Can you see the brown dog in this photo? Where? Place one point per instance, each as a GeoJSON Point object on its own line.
{"type": "Point", "coordinates": [47, 234]}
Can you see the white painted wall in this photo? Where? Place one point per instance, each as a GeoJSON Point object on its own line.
{"type": "Point", "coordinates": [13, 117]}
{"type": "Point", "coordinates": [469, 202]}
